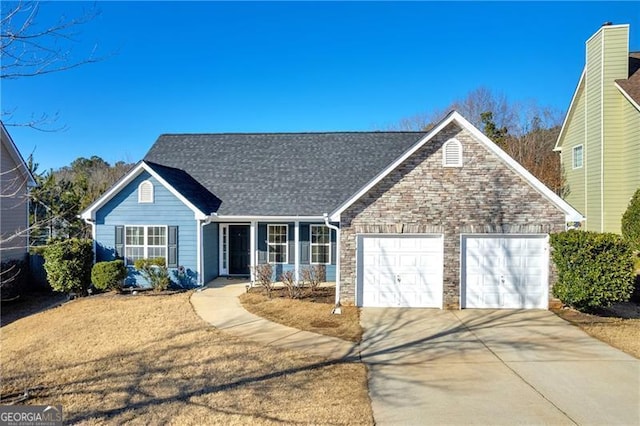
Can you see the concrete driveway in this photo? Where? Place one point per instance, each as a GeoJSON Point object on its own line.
{"type": "Point", "coordinates": [429, 366]}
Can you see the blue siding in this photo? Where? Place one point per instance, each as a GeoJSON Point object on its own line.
{"type": "Point", "coordinates": [211, 250]}
{"type": "Point", "coordinates": [167, 209]}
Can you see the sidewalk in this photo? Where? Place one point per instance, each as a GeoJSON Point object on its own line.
{"type": "Point", "coordinates": [218, 304]}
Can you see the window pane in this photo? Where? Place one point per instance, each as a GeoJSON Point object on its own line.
{"type": "Point", "coordinates": [156, 236]}
{"type": "Point", "coordinates": [320, 254]}
{"type": "Point", "coordinates": [278, 254]}
{"type": "Point", "coordinates": [131, 254]}
{"type": "Point", "coordinates": [157, 252]}
{"type": "Point", "coordinates": [134, 235]}
{"type": "Point", "coordinates": [320, 235]}
{"type": "Point", "coordinates": [277, 234]}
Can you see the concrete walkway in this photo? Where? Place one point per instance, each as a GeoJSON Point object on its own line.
{"type": "Point", "coordinates": [218, 304]}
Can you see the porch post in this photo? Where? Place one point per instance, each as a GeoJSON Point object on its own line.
{"type": "Point", "coordinates": [252, 248]}
{"type": "Point", "coordinates": [296, 239]}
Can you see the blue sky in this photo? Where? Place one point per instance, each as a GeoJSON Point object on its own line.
{"type": "Point", "coordinates": [182, 67]}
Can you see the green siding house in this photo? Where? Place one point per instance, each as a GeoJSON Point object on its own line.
{"type": "Point", "coordinates": [599, 142]}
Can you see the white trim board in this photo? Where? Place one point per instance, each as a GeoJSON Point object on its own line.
{"type": "Point", "coordinates": [558, 146]}
{"type": "Point", "coordinates": [571, 214]}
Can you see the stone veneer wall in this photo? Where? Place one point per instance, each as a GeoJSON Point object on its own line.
{"type": "Point", "coordinates": [422, 196]}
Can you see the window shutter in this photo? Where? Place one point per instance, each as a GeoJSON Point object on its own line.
{"type": "Point", "coordinates": [172, 247]}
{"type": "Point", "coordinates": [119, 239]}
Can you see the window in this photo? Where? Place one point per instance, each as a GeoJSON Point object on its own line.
{"type": "Point", "coordinates": [452, 154]}
{"type": "Point", "coordinates": [577, 157]}
{"type": "Point", "coordinates": [320, 244]}
{"type": "Point", "coordinates": [145, 192]}
{"type": "Point", "coordinates": [277, 243]}
{"type": "Point", "coordinates": [143, 242]}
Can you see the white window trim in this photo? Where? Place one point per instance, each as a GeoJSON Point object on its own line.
{"type": "Point", "coordinates": [145, 246]}
{"type": "Point", "coordinates": [458, 145]}
{"type": "Point", "coordinates": [140, 199]}
{"type": "Point", "coordinates": [286, 244]}
{"type": "Point", "coordinates": [573, 157]}
{"type": "Point", "coordinates": [311, 244]}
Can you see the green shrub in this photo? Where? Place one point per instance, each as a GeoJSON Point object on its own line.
{"type": "Point", "coordinates": [155, 271]}
{"type": "Point", "coordinates": [109, 275]}
{"type": "Point", "coordinates": [594, 270]}
{"type": "Point", "coordinates": [631, 221]}
{"type": "Point", "coordinates": [68, 265]}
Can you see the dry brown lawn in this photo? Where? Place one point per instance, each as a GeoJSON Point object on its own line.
{"type": "Point", "coordinates": [149, 359]}
{"type": "Point", "coordinates": [306, 315]}
{"type": "Point", "coordinates": [622, 333]}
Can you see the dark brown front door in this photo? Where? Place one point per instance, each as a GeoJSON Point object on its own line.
{"type": "Point", "coordinates": [239, 256]}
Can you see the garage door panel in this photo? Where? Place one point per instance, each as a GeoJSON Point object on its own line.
{"type": "Point", "coordinates": [407, 270]}
{"type": "Point", "coordinates": [504, 271]}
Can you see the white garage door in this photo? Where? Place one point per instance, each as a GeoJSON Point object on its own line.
{"type": "Point", "coordinates": [505, 271]}
{"type": "Point", "coordinates": [400, 271]}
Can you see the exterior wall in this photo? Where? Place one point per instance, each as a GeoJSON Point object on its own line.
{"type": "Point", "coordinates": [575, 135]}
{"type": "Point", "coordinates": [593, 137]}
{"type": "Point", "coordinates": [167, 209]}
{"type": "Point", "coordinates": [210, 251]}
{"type": "Point", "coordinates": [600, 111]}
{"type": "Point", "coordinates": [616, 66]}
{"type": "Point", "coordinates": [422, 196]}
{"type": "Point", "coordinates": [14, 204]}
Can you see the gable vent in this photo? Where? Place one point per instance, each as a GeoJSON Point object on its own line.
{"type": "Point", "coordinates": [145, 192]}
{"type": "Point", "coordinates": [452, 153]}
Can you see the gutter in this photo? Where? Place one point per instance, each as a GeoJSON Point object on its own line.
{"type": "Point", "coordinates": [336, 309]}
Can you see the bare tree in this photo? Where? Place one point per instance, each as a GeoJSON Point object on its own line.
{"type": "Point", "coordinates": [31, 48]}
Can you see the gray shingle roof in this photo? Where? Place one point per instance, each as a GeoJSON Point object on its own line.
{"type": "Point", "coordinates": [280, 173]}
{"type": "Point", "coordinates": [190, 188]}
{"type": "Point", "coordinates": [632, 84]}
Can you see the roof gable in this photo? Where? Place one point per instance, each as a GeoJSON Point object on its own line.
{"type": "Point", "coordinates": [454, 117]}
{"type": "Point", "coordinates": [167, 178]}
{"type": "Point", "coordinates": [11, 147]}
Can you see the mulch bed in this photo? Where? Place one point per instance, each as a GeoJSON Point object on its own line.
{"type": "Point", "coordinates": [319, 295]}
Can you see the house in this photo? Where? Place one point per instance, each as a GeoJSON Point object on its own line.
{"type": "Point", "coordinates": [599, 142]}
{"type": "Point", "coordinates": [442, 219]}
{"type": "Point", "coordinates": [15, 181]}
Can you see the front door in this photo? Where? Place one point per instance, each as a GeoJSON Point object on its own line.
{"type": "Point", "coordinates": [239, 252]}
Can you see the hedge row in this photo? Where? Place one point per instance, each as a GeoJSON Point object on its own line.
{"type": "Point", "coordinates": [594, 269]}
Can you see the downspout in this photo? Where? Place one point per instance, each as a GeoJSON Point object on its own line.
{"type": "Point", "coordinates": [204, 222]}
{"type": "Point", "coordinates": [336, 309]}
{"type": "Point", "coordinates": [93, 235]}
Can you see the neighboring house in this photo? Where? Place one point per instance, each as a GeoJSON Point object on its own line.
{"type": "Point", "coordinates": [421, 219]}
{"type": "Point", "coordinates": [15, 181]}
{"type": "Point", "coordinates": [599, 142]}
